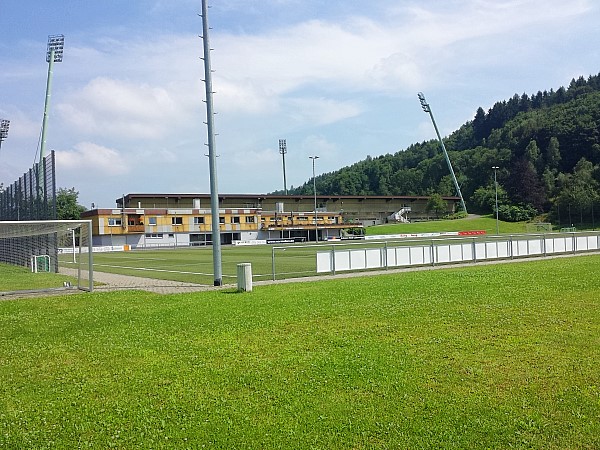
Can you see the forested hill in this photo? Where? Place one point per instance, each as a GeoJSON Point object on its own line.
{"type": "Point", "coordinates": [547, 148]}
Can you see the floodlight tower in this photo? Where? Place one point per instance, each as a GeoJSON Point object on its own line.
{"type": "Point", "coordinates": [495, 168]}
{"type": "Point", "coordinates": [427, 109]}
{"type": "Point", "coordinates": [54, 54]}
{"type": "Point", "coordinates": [314, 158]}
{"type": "Point", "coordinates": [283, 151]}
{"type": "Point", "coordinates": [4, 124]}
{"type": "Point", "coordinates": [212, 157]}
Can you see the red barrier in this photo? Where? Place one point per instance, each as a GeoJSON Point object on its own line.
{"type": "Point", "coordinates": [472, 233]}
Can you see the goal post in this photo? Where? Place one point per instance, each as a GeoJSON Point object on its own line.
{"type": "Point", "coordinates": [60, 248]}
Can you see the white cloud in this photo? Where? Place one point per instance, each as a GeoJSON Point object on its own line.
{"type": "Point", "coordinates": [92, 158]}
{"type": "Point", "coordinates": [320, 111]}
{"type": "Point", "coordinates": [111, 107]}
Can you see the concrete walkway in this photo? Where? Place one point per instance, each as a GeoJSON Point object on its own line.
{"type": "Point", "coordinates": [115, 282]}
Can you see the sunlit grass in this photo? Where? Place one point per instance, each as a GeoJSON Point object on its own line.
{"type": "Point", "coordinates": [501, 356]}
{"type": "Point", "coordinates": [485, 223]}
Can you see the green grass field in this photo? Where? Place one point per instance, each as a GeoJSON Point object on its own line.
{"type": "Point", "coordinates": [495, 357]}
{"type": "Point", "coordinates": [487, 223]}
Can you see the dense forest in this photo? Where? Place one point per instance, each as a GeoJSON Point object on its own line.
{"type": "Point", "coordinates": [546, 147]}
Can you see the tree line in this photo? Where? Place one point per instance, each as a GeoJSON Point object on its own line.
{"type": "Point", "coordinates": [546, 147]}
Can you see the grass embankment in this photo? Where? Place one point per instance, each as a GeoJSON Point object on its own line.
{"type": "Point", "coordinates": [487, 223]}
{"type": "Point", "coordinates": [502, 356]}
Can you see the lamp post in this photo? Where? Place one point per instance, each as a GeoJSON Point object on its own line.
{"type": "Point", "coordinates": [283, 151]}
{"type": "Point", "coordinates": [4, 124]}
{"type": "Point", "coordinates": [496, 191]}
{"type": "Point", "coordinates": [314, 158]}
{"type": "Point", "coordinates": [427, 109]}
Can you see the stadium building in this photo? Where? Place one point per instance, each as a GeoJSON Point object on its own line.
{"type": "Point", "coordinates": [155, 220]}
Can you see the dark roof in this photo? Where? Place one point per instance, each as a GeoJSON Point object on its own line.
{"type": "Point", "coordinates": [128, 197]}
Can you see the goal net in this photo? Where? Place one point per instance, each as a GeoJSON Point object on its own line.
{"type": "Point", "coordinates": [42, 255]}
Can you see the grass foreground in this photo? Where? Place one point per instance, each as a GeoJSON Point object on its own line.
{"type": "Point", "coordinates": [496, 356]}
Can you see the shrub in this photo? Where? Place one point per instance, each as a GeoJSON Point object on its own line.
{"type": "Point", "coordinates": [516, 213]}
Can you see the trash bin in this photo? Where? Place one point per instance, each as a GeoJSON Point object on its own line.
{"type": "Point", "coordinates": [244, 277]}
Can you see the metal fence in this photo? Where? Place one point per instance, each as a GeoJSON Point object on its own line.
{"type": "Point", "coordinates": [33, 195]}
{"type": "Point", "coordinates": [453, 250]}
{"type": "Point", "coordinates": [330, 259]}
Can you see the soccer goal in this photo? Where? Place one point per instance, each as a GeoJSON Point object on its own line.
{"type": "Point", "coordinates": [56, 254]}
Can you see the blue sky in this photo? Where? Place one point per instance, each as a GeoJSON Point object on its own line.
{"type": "Point", "coordinates": [337, 79]}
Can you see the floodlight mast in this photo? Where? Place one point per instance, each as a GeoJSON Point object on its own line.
{"type": "Point", "coordinates": [427, 109]}
{"type": "Point", "coordinates": [283, 151]}
{"type": "Point", "coordinates": [314, 158]}
{"type": "Point", "coordinates": [54, 54]}
{"type": "Point", "coordinates": [4, 124]}
{"type": "Point", "coordinates": [212, 157]}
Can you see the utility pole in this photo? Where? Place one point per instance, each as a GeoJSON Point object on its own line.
{"type": "Point", "coordinates": [427, 109]}
{"type": "Point", "coordinates": [212, 157]}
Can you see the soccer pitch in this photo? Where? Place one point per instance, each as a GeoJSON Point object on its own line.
{"type": "Point", "coordinates": [195, 264]}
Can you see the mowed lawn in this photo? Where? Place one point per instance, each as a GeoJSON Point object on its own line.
{"type": "Point", "coordinates": [496, 356]}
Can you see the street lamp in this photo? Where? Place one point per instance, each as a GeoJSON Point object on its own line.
{"type": "Point", "coordinates": [496, 190]}
{"type": "Point", "coordinates": [314, 158]}
{"type": "Point", "coordinates": [427, 109]}
{"type": "Point", "coordinates": [283, 151]}
{"type": "Point", "coordinates": [4, 124]}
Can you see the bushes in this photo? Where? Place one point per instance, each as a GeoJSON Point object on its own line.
{"type": "Point", "coordinates": [516, 213]}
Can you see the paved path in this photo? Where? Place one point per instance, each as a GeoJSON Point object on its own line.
{"type": "Point", "coordinates": [114, 282]}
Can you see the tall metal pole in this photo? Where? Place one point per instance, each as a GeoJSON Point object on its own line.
{"type": "Point", "coordinates": [4, 125]}
{"type": "Point", "coordinates": [427, 109]}
{"type": "Point", "coordinates": [314, 158]}
{"type": "Point", "coordinates": [283, 151]}
{"type": "Point", "coordinates": [496, 190]}
{"type": "Point", "coordinates": [54, 54]}
{"type": "Point", "coordinates": [212, 157]}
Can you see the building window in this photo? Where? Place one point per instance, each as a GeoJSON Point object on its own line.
{"type": "Point", "coordinates": [154, 236]}
{"type": "Point", "coordinates": [221, 219]}
{"type": "Point", "coordinates": [235, 219]}
{"type": "Point", "coordinates": [249, 219]}
{"type": "Point", "coordinates": [151, 220]}
{"type": "Point", "coordinates": [171, 235]}
{"type": "Point", "coordinates": [177, 220]}
{"type": "Point", "coordinates": [112, 222]}
{"type": "Point", "coordinates": [198, 220]}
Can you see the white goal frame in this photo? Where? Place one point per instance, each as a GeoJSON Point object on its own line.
{"type": "Point", "coordinates": [22, 243]}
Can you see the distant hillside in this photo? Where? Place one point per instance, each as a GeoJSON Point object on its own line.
{"type": "Point", "coordinates": [546, 145]}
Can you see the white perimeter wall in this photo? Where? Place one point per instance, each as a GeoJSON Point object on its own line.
{"type": "Point", "coordinates": [454, 251]}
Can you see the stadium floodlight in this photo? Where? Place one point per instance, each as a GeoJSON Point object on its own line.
{"type": "Point", "coordinates": [283, 151]}
{"type": "Point", "coordinates": [54, 54]}
{"type": "Point", "coordinates": [4, 124]}
{"type": "Point", "coordinates": [495, 168]}
{"type": "Point", "coordinates": [212, 156]}
{"type": "Point", "coordinates": [427, 109]}
{"type": "Point", "coordinates": [314, 158]}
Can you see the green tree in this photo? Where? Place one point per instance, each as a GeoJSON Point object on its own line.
{"type": "Point", "coordinates": [67, 207]}
{"type": "Point", "coordinates": [553, 153]}
{"type": "Point", "coordinates": [436, 204]}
